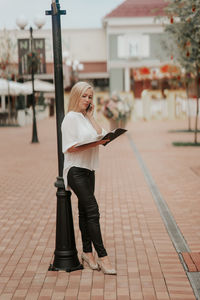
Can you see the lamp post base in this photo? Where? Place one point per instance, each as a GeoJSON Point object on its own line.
{"type": "Point", "coordinates": [65, 261]}
{"type": "Point", "coordinates": [65, 254]}
{"type": "Point", "coordinates": [66, 269]}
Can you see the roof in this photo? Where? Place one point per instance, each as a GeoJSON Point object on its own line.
{"type": "Point", "coordinates": [138, 8]}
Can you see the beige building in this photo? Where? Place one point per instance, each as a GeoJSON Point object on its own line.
{"type": "Point", "coordinates": [128, 40]}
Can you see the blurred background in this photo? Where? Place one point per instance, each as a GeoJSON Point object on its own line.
{"type": "Point", "coordinates": [123, 48]}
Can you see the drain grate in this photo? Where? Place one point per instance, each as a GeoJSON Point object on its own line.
{"type": "Point", "coordinates": [196, 170]}
{"type": "Point", "coordinates": [192, 261]}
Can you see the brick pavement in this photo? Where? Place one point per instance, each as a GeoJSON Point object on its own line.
{"type": "Point", "coordinates": [147, 264]}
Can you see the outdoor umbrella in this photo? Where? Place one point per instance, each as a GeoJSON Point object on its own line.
{"type": "Point", "coordinates": [40, 86]}
{"type": "Point", "coordinates": [8, 87]}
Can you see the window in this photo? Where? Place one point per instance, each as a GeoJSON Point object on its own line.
{"type": "Point", "coordinates": [133, 46]}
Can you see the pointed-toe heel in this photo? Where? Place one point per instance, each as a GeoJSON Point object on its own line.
{"type": "Point", "coordinates": [90, 264]}
{"type": "Point", "coordinates": [105, 270]}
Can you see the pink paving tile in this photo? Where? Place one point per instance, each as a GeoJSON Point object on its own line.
{"type": "Point", "coordinates": [196, 259]}
{"type": "Point", "coordinates": [6, 296]}
{"type": "Point", "coordinates": [97, 297]}
{"type": "Point", "coordinates": [189, 262]}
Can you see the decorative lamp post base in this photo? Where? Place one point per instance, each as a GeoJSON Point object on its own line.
{"type": "Point", "coordinates": [65, 254]}
{"type": "Point", "coordinates": [65, 261]}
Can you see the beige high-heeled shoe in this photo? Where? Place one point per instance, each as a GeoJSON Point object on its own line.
{"type": "Point", "coordinates": [89, 262]}
{"type": "Point", "coordinates": [106, 270]}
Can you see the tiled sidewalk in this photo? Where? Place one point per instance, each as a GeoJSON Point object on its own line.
{"type": "Point", "coordinates": [147, 264]}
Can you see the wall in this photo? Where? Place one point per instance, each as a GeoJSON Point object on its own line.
{"type": "Point", "coordinates": [83, 44]}
{"type": "Point", "coordinates": [116, 80]}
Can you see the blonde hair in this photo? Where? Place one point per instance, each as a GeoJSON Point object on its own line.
{"type": "Point", "coordinates": [76, 92]}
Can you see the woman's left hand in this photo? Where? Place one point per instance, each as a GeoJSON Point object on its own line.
{"type": "Point", "coordinates": [90, 111]}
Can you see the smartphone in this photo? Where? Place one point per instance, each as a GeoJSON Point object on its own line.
{"type": "Point", "coordinates": [88, 107]}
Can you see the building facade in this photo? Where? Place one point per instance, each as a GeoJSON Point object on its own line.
{"type": "Point", "coordinates": [129, 39]}
{"type": "Point", "coordinates": [134, 41]}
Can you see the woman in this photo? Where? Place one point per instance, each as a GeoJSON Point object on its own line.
{"type": "Point", "coordinates": [79, 126]}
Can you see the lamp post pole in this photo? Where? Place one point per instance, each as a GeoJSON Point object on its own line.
{"type": "Point", "coordinates": [65, 255]}
{"type": "Point", "coordinates": [34, 130]}
{"type": "Point", "coordinates": [21, 23]}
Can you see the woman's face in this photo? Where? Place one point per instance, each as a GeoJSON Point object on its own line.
{"type": "Point", "coordinates": [85, 99]}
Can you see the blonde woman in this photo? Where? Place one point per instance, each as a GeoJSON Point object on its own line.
{"type": "Point", "coordinates": [79, 125]}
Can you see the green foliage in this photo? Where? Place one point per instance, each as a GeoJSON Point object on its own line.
{"type": "Point", "coordinates": [184, 33]}
{"type": "Point", "coordinates": [20, 103]}
{"type": "Point", "coordinates": [186, 144]}
{"type": "Point", "coordinates": [33, 61]}
{"type": "Point", "coordinates": [41, 100]}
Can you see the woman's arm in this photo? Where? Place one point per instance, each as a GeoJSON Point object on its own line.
{"type": "Point", "coordinates": [92, 120]}
{"type": "Point", "coordinates": [96, 126]}
{"type": "Point", "coordinates": [85, 147]}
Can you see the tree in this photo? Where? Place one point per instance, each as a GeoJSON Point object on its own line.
{"type": "Point", "coordinates": [7, 69]}
{"type": "Point", "coordinates": [185, 74]}
{"type": "Point", "coordinates": [184, 31]}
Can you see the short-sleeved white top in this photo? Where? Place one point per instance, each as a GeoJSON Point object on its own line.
{"type": "Point", "coordinates": [76, 128]}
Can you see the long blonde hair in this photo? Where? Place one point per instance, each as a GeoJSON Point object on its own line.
{"type": "Point", "coordinates": [77, 90]}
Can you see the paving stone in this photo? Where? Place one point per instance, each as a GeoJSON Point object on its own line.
{"type": "Point", "coordinates": [135, 237]}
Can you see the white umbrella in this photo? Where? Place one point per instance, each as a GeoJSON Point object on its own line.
{"type": "Point", "coordinates": [8, 87]}
{"type": "Point", "coordinates": [40, 86]}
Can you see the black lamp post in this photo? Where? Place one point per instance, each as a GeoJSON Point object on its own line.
{"type": "Point", "coordinates": [34, 129]}
{"type": "Point", "coordinates": [32, 68]}
{"type": "Point", "coordinates": [65, 255]}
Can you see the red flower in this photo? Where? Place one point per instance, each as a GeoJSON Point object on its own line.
{"type": "Point", "coordinates": [144, 71]}
{"type": "Point", "coordinates": [164, 69]}
{"type": "Point", "coordinates": [169, 69]}
{"type": "Point", "coordinates": [188, 43]}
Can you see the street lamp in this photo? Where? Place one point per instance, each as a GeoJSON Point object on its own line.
{"type": "Point", "coordinates": [21, 23]}
{"type": "Point", "coordinates": [74, 66]}
{"type": "Point", "coordinates": [65, 255]}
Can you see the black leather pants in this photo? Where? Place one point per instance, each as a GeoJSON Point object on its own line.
{"type": "Point", "coordinates": [82, 182]}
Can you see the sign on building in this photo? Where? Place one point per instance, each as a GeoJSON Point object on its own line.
{"type": "Point", "coordinates": [24, 47]}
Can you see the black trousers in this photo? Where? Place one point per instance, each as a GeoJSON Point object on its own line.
{"type": "Point", "coordinates": [82, 182]}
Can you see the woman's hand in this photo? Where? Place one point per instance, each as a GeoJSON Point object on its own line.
{"type": "Point", "coordinates": [102, 142]}
{"type": "Point", "coordinates": [90, 111]}
{"type": "Point", "coordinates": [89, 115]}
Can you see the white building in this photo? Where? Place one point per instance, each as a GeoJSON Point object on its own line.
{"type": "Point", "coordinates": [129, 39]}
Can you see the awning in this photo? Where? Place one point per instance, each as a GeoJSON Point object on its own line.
{"type": "Point", "coordinates": [8, 87]}
{"type": "Point", "coordinates": [40, 86]}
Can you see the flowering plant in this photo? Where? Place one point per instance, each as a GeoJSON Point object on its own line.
{"type": "Point", "coordinates": [117, 109]}
{"type": "Point", "coordinates": [33, 61]}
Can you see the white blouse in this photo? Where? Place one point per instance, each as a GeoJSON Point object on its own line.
{"type": "Point", "coordinates": [76, 128]}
